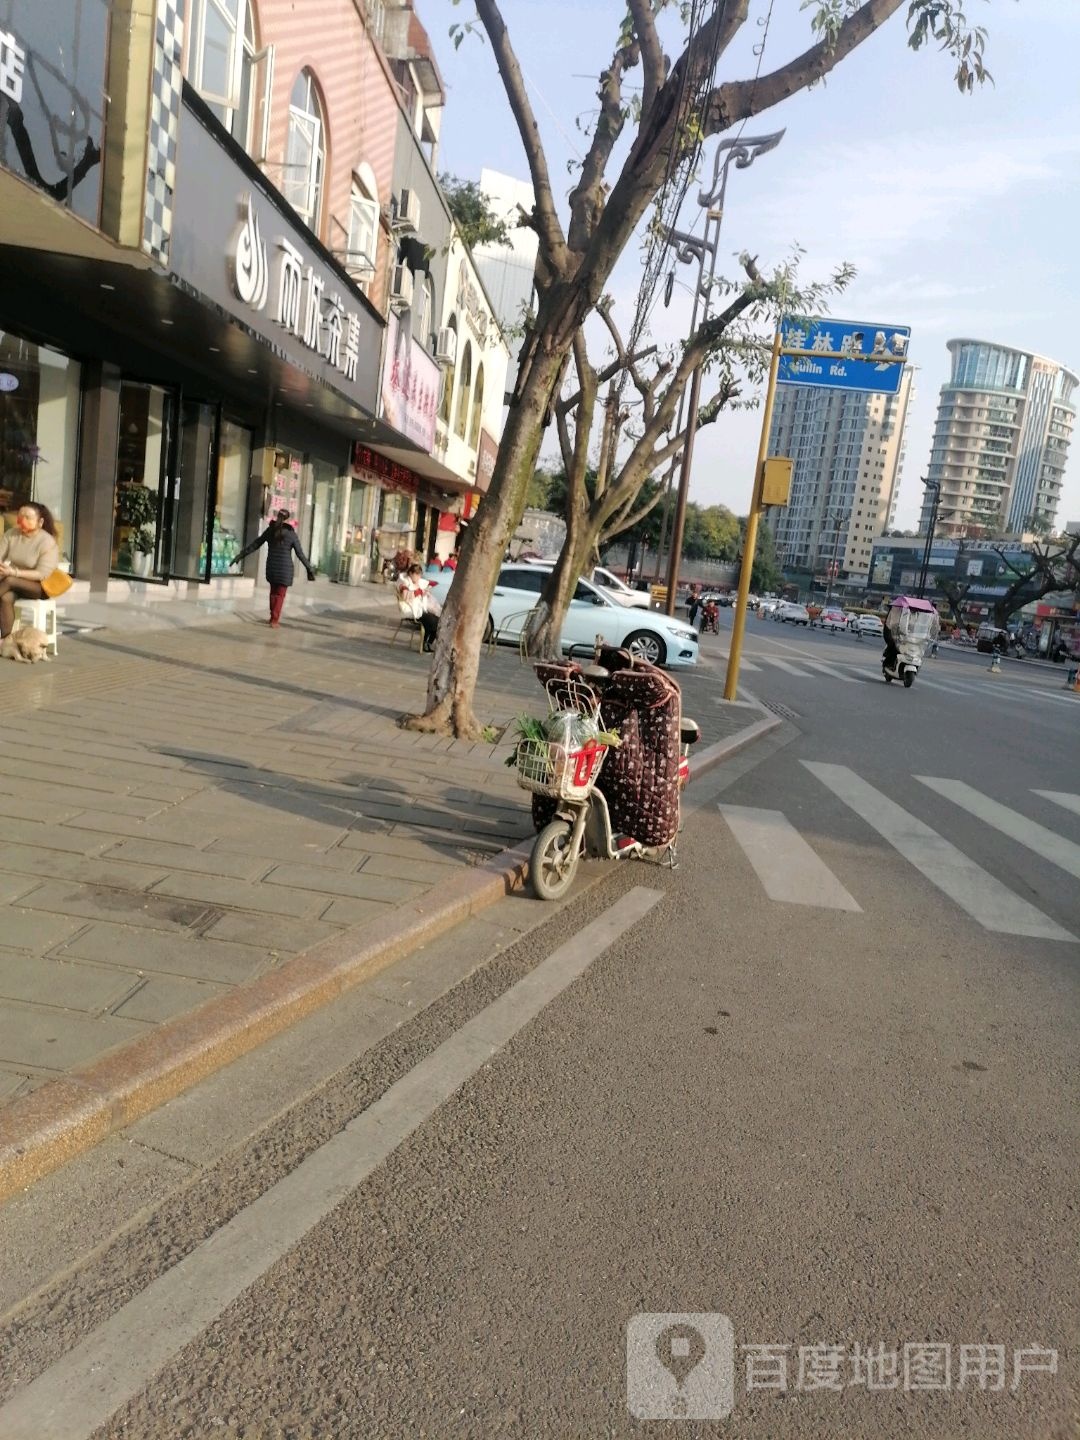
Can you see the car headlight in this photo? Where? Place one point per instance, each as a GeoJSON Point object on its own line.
{"type": "Point", "coordinates": [682, 633]}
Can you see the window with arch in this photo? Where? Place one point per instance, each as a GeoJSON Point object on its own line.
{"type": "Point", "coordinates": [449, 374]}
{"type": "Point", "coordinates": [477, 408]}
{"type": "Point", "coordinates": [305, 151]}
{"type": "Point", "coordinates": [422, 311]}
{"type": "Point", "coordinates": [463, 392]}
{"type": "Point", "coordinates": [363, 225]}
{"type": "Point", "coordinates": [222, 57]}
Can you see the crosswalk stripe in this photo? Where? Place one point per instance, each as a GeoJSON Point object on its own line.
{"type": "Point", "coordinates": [971, 887]}
{"type": "Point", "coordinates": [1044, 842]}
{"type": "Point", "coordinates": [787, 867]}
{"type": "Point", "coordinates": [830, 670]}
{"type": "Point", "coordinates": [1062, 798]}
{"type": "Point", "coordinates": [785, 665]}
{"type": "Point", "coordinates": [745, 664]}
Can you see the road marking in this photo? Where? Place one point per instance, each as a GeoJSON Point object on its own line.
{"type": "Point", "coordinates": [784, 665]}
{"type": "Point", "coordinates": [1044, 842]}
{"type": "Point", "coordinates": [787, 867]}
{"type": "Point", "coordinates": [971, 887]}
{"type": "Point", "coordinates": [997, 689]}
{"type": "Point", "coordinates": [830, 670]}
{"type": "Point", "coordinates": [1062, 798]}
{"type": "Point", "coordinates": [77, 1394]}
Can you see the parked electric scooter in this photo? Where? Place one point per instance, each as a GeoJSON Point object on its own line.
{"type": "Point", "coordinates": [586, 801]}
{"type": "Point", "coordinates": [911, 625]}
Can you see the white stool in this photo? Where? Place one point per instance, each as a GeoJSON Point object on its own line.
{"type": "Point", "coordinates": [42, 615]}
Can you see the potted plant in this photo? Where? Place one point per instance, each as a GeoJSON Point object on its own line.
{"type": "Point", "coordinates": [142, 546]}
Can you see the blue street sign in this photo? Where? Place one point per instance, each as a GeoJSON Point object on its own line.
{"type": "Point", "coordinates": [859, 347]}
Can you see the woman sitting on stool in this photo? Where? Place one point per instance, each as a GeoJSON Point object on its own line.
{"type": "Point", "coordinates": [28, 555]}
{"type": "Point", "coordinates": [415, 591]}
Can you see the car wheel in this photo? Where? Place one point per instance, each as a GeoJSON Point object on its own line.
{"type": "Point", "coordinates": [646, 646]}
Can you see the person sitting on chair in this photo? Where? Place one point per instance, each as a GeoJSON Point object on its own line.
{"type": "Point", "coordinates": [415, 591]}
{"type": "Point", "coordinates": [28, 555]}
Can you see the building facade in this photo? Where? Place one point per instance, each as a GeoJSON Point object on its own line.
{"type": "Point", "coordinates": [1005, 420]}
{"type": "Point", "coordinates": [202, 249]}
{"type": "Point", "coordinates": [848, 452]}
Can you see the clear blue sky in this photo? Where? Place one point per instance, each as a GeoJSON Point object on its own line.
{"type": "Point", "coordinates": [960, 212]}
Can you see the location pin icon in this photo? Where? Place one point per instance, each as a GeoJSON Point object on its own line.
{"type": "Point", "coordinates": [680, 1349]}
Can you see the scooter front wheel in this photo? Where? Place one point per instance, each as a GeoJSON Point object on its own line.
{"type": "Point", "coordinates": [909, 679]}
{"type": "Point", "coordinates": [551, 865]}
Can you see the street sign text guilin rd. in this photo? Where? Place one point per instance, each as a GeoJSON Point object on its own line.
{"type": "Point", "coordinates": [842, 354]}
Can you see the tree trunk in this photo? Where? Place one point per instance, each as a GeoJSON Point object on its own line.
{"type": "Point", "coordinates": [454, 667]}
{"type": "Point", "coordinates": [547, 622]}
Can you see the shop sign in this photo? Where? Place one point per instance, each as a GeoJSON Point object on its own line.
{"type": "Point", "coordinates": [410, 387]}
{"type": "Point", "coordinates": [486, 455]}
{"type": "Point", "coordinates": [376, 469]}
{"type": "Point", "coordinates": [471, 301]}
{"type": "Point", "coordinates": [12, 65]}
{"type": "Point", "coordinates": [304, 305]}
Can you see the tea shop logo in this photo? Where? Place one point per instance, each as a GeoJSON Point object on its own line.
{"type": "Point", "coordinates": [250, 265]}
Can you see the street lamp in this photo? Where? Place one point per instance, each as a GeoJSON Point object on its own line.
{"type": "Point", "coordinates": [835, 516]}
{"type": "Point", "coordinates": [935, 487]}
{"type": "Point", "coordinates": [743, 153]}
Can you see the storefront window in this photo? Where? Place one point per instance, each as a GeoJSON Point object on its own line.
{"type": "Point", "coordinates": [233, 469]}
{"type": "Point", "coordinates": [326, 525]}
{"type": "Point", "coordinates": [39, 428]}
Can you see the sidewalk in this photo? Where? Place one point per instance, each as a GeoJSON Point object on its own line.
{"type": "Point", "coordinates": [184, 810]}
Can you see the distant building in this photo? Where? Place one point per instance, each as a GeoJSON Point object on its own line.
{"type": "Point", "coordinates": [848, 449]}
{"type": "Point", "coordinates": [507, 270]}
{"type": "Point", "coordinates": [1005, 419]}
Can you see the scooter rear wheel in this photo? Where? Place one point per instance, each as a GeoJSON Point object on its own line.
{"type": "Point", "coordinates": [551, 866]}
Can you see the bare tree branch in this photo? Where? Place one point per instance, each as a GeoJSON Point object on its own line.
{"type": "Point", "coordinates": [587, 197]}
{"type": "Point", "coordinates": [739, 99]}
{"type": "Point", "coordinates": [548, 227]}
{"type": "Point", "coordinates": [652, 56]}
{"type": "Point", "coordinates": [627, 518]}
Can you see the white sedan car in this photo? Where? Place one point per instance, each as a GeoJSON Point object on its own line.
{"type": "Point", "coordinates": [653, 636]}
{"type": "Point", "coordinates": [618, 589]}
{"type": "Point", "coordinates": [868, 625]}
{"type": "Point", "coordinates": [792, 614]}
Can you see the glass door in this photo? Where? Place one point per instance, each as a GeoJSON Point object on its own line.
{"type": "Point", "coordinates": [147, 416]}
{"type": "Point", "coordinates": [185, 551]}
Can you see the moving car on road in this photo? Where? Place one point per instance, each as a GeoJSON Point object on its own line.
{"type": "Point", "coordinates": [833, 619]}
{"type": "Point", "coordinates": [868, 625]}
{"type": "Point", "coordinates": [652, 636]}
{"type": "Point", "coordinates": [790, 613]}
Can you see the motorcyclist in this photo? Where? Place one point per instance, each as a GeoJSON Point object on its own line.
{"type": "Point", "coordinates": [891, 653]}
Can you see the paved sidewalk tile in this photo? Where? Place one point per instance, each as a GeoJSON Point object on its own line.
{"type": "Point", "coordinates": [185, 808]}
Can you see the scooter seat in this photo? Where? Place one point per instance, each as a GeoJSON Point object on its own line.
{"type": "Point", "coordinates": [689, 731]}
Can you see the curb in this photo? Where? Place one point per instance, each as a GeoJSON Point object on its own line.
{"type": "Point", "coordinates": [53, 1124]}
{"type": "Point", "coordinates": [64, 1117]}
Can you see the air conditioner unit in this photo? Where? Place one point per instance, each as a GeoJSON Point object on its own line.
{"type": "Point", "coordinates": [446, 347]}
{"type": "Point", "coordinates": [407, 220]}
{"type": "Point", "coordinates": [401, 288]}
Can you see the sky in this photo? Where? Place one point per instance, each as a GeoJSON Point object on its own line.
{"type": "Point", "coordinates": [961, 213]}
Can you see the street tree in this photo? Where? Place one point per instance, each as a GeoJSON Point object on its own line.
{"type": "Point", "coordinates": [679, 104]}
{"type": "Point", "coordinates": [1049, 566]}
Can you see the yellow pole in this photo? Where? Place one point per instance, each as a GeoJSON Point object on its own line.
{"type": "Point", "coordinates": [731, 684]}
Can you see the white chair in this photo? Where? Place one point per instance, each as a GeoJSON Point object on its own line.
{"type": "Point", "coordinates": [42, 615]}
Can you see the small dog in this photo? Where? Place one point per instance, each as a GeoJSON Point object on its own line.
{"type": "Point", "coordinates": [27, 645]}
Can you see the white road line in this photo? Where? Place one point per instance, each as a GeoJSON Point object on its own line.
{"type": "Point", "coordinates": [999, 689]}
{"type": "Point", "coordinates": [971, 887]}
{"type": "Point", "coordinates": [830, 670]}
{"type": "Point", "coordinates": [787, 867]}
{"type": "Point", "coordinates": [1044, 842]}
{"type": "Point", "coordinates": [1062, 798]}
{"type": "Point", "coordinates": [784, 665]}
{"type": "Point", "coordinates": [77, 1394]}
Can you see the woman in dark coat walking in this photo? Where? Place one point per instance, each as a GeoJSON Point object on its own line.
{"type": "Point", "coordinates": [281, 542]}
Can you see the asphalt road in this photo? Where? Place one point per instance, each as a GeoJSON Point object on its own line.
{"type": "Point", "coordinates": [820, 1080]}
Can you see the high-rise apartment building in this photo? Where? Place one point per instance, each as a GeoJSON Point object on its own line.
{"type": "Point", "coordinates": [1005, 419]}
{"type": "Point", "coordinates": [848, 449]}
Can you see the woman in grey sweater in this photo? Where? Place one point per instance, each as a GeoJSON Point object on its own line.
{"type": "Point", "coordinates": [28, 555]}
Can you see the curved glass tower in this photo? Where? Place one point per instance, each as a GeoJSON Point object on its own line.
{"type": "Point", "coordinates": [1005, 419]}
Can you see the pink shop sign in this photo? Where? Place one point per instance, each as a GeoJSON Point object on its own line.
{"type": "Point", "coordinates": [410, 386]}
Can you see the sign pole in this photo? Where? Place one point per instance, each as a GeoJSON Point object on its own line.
{"type": "Point", "coordinates": [731, 684]}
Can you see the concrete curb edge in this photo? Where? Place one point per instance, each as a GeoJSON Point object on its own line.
{"type": "Point", "coordinates": [64, 1117]}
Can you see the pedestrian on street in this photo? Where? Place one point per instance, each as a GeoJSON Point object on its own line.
{"type": "Point", "coordinates": [281, 543]}
{"type": "Point", "coordinates": [29, 554]}
{"type": "Point", "coordinates": [693, 604]}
